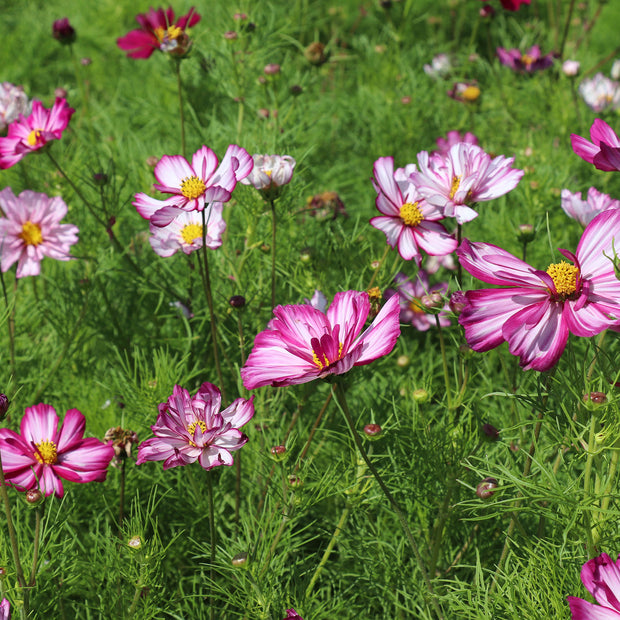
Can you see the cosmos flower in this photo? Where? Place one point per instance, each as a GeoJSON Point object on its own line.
{"type": "Point", "coordinates": [31, 133]}
{"type": "Point", "coordinates": [270, 172]}
{"type": "Point", "coordinates": [601, 576]}
{"type": "Point", "coordinates": [193, 185]}
{"type": "Point", "coordinates": [538, 309]}
{"type": "Point", "coordinates": [603, 151]}
{"type": "Point", "coordinates": [302, 343]}
{"type": "Point", "coordinates": [31, 230]}
{"type": "Point", "coordinates": [571, 68]}
{"type": "Point", "coordinates": [13, 102]}
{"type": "Point", "coordinates": [440, 66]}
{"type": "Point", "coordinates": [465, 92]}
{"type": "Point", "coordinates": [600, 93]}
{"type": "Point", "coordinates": [291, 614]}
{"type": "Point", "coordinates": [584, 211]}
{"type": "Point", "coordinates": [467, 176]}
{"type": "Point", "coordinates": [409, 222]}
{"type": "Point", "coordinates": [45, 453]}
{"type": "Point", "coordinates": [512, 5]}
{"type": "Point", "coordinates": [159, 31]}
{"type": "Point", "coordinates": [63, 31]}
{"type": "Point", "coordinates": [528, 62]}
{"type": "Point", "coordinates": [192, 428]}
{"type": "Point", "coordinates": [5, 609]}
{"type": "Point", "coordinates": [454, 137]}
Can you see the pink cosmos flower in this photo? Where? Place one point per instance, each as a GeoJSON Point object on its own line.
{"type": "Point", "coordinates": [190, 429]}
{"type": "Point", "coordinates": [13, 102]}
{"type": "Point", "coordinates": [408, 221]}
{"type": "Point", "coordinates": [454, 137]}
{"type": "Point", "coordinates": [318, 301]}
{"type": "Point", "coordinates": [302, 343]}
{"type": "Point", "coordinates": [270, 172]}
{"type": "Point", "coordinates": [159, 31]}
{"type": "Point", "coordinates": [600, 93]}
{"type": "Point", "coordinates": [291, 614]}
{"type": "Point", "coordinates": [416, 297]}
{"type": "Point", "coordinates": [584, 211]}
{"type": "Point", "coordinates": [5, 609]}
{"type": "Point", "coordinates": [185, 232]}
{"type": "Point", "coordinates": [467, 175]}
{"type": "Point", "coordinates": [512, 5]}
{"type": "Point", "coordinates": [44, 453]}
{"type": "Point", "coordinates": [32, 133]}
{"type": "Point", "coordinates": [193, 185]}
{"type": "Point", "coordinates": [440, 66]}
{"type": "Point", "coordinates": [601, 576]}
{"type": "Point", "coordinates": [465, 92]}
{"type": "Point", "coordinates": [603, 151]}
{"type": "Point", "coordinates": [528, 62]}
{"type": "Point", "coordinates": [539, 309]}
{"type": "Point", "coordinates": [31, 230]}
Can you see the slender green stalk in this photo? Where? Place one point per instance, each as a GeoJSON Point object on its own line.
{"type": "Point", "coordinates": [569, 16]}
{"type": "Point", "coordinates": [212, 542]}
{"type": "Point", "coordinates": [37, 544]}
{"type": "Point", "coordinates": [378, 269]}
{"type": "Point", "coordinates": [237, 486]}
{"type": "Point", "coordinates": [121, 498]}
{"type": "Point", "coordinates": [444, 360]}
{"type": "Point", "coordinates": [177, 70]}
{"type": "Point", "coordinates": [273, 253]}
{"type": "Point", "coordinates": [306, 447]}
{"type": "Point", "coordinates": [606, 495]}
{"type": "Point", "coordinates": [10, 322]}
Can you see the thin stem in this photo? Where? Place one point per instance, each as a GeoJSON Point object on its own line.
{"type": "Point", "coordinates": [273, 253]}
{"type": "Point", "coordinates": [588, 27]}
{"type": "Point", "coordinates": [241, 339]}
{"type": "Point", "coordinates": [341, 399]}
{"type": "Point", "coordinates": [212, 539]}
{"type": "Point", "coordinates": [599, 344]}
{"type": "Point", "coordinates": [37, 542]}
{"type": "Point", "coordinates": [238, 485]}
{"type": "Point", "coordinates": [566, 27]}
{"type": "Point", "coordinates": [459, 269]}
{"type": "Point", "coordinates": [444, 359]}
{"type": "Point", "coordinates": [378, 269]}
{"type": "Point", "coordinates": [306, 447]}
{"type": "Point", "coordinates": [11, 323]}
{"type": "Point", "coordinates": [121, 498]}
{"type": "Point", "coordinates": [177, 66]}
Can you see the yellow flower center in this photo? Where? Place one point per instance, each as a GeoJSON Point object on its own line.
{"type": "Point", "coordinates": [564, 276]}
{"type": "Point", "coordinates": [410, 214]}
{"type": "Point", "coordinates": [31, 234]}
{"type": "Point", "coordinates": [471, 93]}
{"type": "Point", "coordinates": [456, 181]}
{"type": "Point", "coordinates": [33, 137]}
{"type": "Point", "coordinates": [191, 429]}
{"type": "Point", "coordinates": [527, 60]}
{"type": "Point", "coordinates": [46, 452]}
{"type": "Point", "coordinates": [324, 363]}
{"type": "Point", "coordinates": [191, 232]}
{"type": "Point", "coordinates": [192, 187]}
{"type": "Point", "coordinates": [415, 305]}
{"type": "Point", "coordinates": [170, 33]}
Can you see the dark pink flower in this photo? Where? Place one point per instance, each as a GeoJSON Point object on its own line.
{"type": "Point", "coordinates": [601, 576]}
{"type": "Point", "coordinates": [159, 31]}
{"type": "Point", "coordinates": [291, 614]}
{"type": "Point", "coordinates": [538, 309]}
{"type": "Point", "coordinates": [528, 62]}
{"type": "Point", "coordinates": [5, 609]}
{"type": "Point", "coordinates": [63, 31]}
{"type": "Point", "coordinates": [44, 453]}
{"type": "Point", "coordinates": [603, 151]}
{"type": "Point", "coordinates": [512, 5]}
{"type": "Point", "coordinates": [190, 429]}
{"type": "Point", "coordinates": [302, 343]}
{"type": "Point", "coordinates": [32, 133]}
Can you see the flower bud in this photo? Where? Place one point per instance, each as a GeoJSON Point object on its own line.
{"type": "Point", "coordinates": [597, 398]}
{"type": "Point", "coordinates": [486, 488]}
{"type": "Point", "coordinates": [271, 69]}
{"type": "Point", "coordinates": [2, 572]}
{"type": "Point", "coordinates": [237, 301]}
{"type": "Point", "coordinates": [4, 406]}
{"type": "Point", "coordinates": [465, 351]}
{"type": "Point", "coordinates": [60, 92]}
{"type": "Point", "coordinates": [458, 302]}
{"type": "Point", "coordinates": [135, 543]}
{"type": "Point", "coordinates": [487, 11]}
{"type": "Point", "coordinates": [278, 453]}
{"type": "Point", "coordinates": [420, 396]}
{"type": "Point", "coordinates": [526, 233]}
{"type": "Point", "coordinates": [34, 498]}
{"type": "Point", "coordinates": [63, 31]}
{"type": "Point", "coordinates": [100, 179]}
{"type": "Point", "coordinates": [230, 35]}
{"type": "Point", "coordinates": [403, 361]}
{"type": "Point", "coordinates": [240, 560]}
{"type": "Point", "coordinates": [490, 431]}
{"type": "Point", "coordinates": [570, 68]}
{"type": "Point", "coordinates": [372, 431]}
{"type": "Point", "coordinates": [296, 90]}
{"type": "Point", "coordinates": [315, 53]}
{"type": "Point", "coordinates": [294, 481]}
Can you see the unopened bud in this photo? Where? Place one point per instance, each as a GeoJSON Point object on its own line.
{"type": "Point", "coordinates": [100, 179]}
{"type": "Point", "coordinates": [315, 53]}
{"type": "Point", "coordinates": [271, 69]}
{"type": "Point", "coordinates": [526, 233]}
{"type": "Point", "coordinates": [458, 302]}
{"type": "Point", "coordinates": [403, 361]}
{"type": "Point", "coordinates": [240, 560]}
{"type": "Point", "coordinates": [372, 431]}
{"type": "Point", "coordinates": [2, 572]}
{"type": "Point", "coordinates": [278, 453]}
{"type": "Point", "coordinates": [465, 351]}
{"type": "Point", "coordinates": [34, 497]}
{"type": "Point", "coordinates": [135, 543]}
{"type": "Point", "coordinates": [420, 396]}
{"type": "Point", "coordinates": [486, 488]}
{"type": "Point", "coordinates": [296, 90]}
{"type": "Point", "coordinates": [294, 481]}
{"type": "Point", "coordinates": [237, 301]}
{"type": "Point", "coordinates": [598, 398]}
{"type": "Point", "coordinates": [490, 431]}
{"type": "Point", "coordinates": [4, 405]}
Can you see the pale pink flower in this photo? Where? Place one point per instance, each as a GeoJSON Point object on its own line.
{"type": "Point", "coordinates": [615, 70]}
{"type": "Point", "coordinates": [467, 176]}
{"type": "Point", "coordinates": [318, 301]}
{"type": "Point", "coordinates": [454, 137]}
{"type": "Point", "coordinates": [270, 172]}
{"type": "Point", "coordinates": [584, 211]}
{"type": "Point", "coordinates": [571, 68]}
{"type": "Point", "coordinates": [302, 343]}
{"type": "Point", "coordinates": [192, 428]}
{"type": "Point", "coordinates": [5, 609]}
{"type": "Point", "coordinates": [193, 185]}
{"type": "Point", "coordinates": [31, 230]}
{"type": "Point", "coordinates": [539, 309]}
{"type": "Point", "coordinates": [528, 62]}
{"type": "Point", "coordinates": [600, 93]}
{"type": "Point", "coordinates": [13, 102]}
{"type": "Point", "coordinates": [601, 576]}
{"type": "Point", "coordinates": [440, 66]}
{"type": "Point", "coordinates": [409, 222]}
{"type": "Point", "coordinates": [185, 232]}
{"type": "Point", "coordinates": [45, 453]}
{"type": "Point", "coordinates": [603, 151]}
{"type": "Point", "coordinates": [31, 133]}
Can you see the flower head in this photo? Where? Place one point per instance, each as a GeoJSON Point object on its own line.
{"type": "Point", "coordinates": [408, 221]}
{"type": "Point", "coordinates": [63, 31]}
{"type": "Point", "coordinates": [13, 102]}
{"type": "Point", "coordinates": [600, 93]}
{"type": "Point", "coordinates": [570, 68]}
{"type": "Point", "coordinates": [512, 5]}
{"type": "Point", "coordinates": [192, 428]}
{"type": "Point", "coordinates": [453, 137]}
{"type": "Point", "coordinates": [291, 614]}
{"type": "Point", "coordinates": [440, 66]}
{"type": "Point", "coordinates": [270, 172]}
{"type": "Point", "coordinates": [302, 343]}
{"type": "Point", "coordinates": [538, 309]}
{"type": "Point", "coordinates": [527, 62]}
{"type": "Point", "coordinates": [159, 31]}
{"type": "Point", "coordinates": [601, 576]}
{"type": "Point", "coordinates": [194, 185]}
{"type": "Point", "coordinates": [31, 230]}
{"type": "Point", "coordinates": [584, 211]}
{"type": "Point", "coordinates": [5, 609]}
{"type": "Point", "coordinates": [33, 132]}
{"type": "Point", "coordinates": [603, 151]}
{"type": "Point", "coordinates": [466, 92]}
{"type": "Point", "coordinates": [44, 453]}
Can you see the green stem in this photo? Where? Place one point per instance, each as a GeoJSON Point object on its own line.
{"type": "Point", "coordinates": [212, 541]}
{"type": "Point", "coordinates": [121, 498]}
{"type": "Point", "coordinates": [378, 269]}
{"type": "Point", "coordinates": [177, 66]}
{"type": "Point", "coordinates": [11, 323]}
{"type": "Point", "coordinates": [566, 27]}
{"type": "Point", "coordinates": [444, 359]}
{"type": "Point", "coordinates": [37, 541]}
{"type": "Point", "coordinates": [607, 495]}
{"type": "Point", "coordinates": [273, 254]}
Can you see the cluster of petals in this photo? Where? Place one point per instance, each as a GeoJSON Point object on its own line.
{"type": "Point", "coordinates": [13, 102]}
{"type": "Point", "coordinates": [466, 92]}
{"type": "Point", "coordinates": [528, 62]}
{"type": "Point", "coordinates": [416, 297]}
{"type": "Point", "coordinates": [5, 609]}
{"type": "Point", "coordinates": [31, 133]}
{"type": "Point", "coordinates": [601, 576]}
{"type": "Point", "coordinates": [512, 5]}
{"type": "Point", "coordinates": [291, 614]}
{"type": "Point", "coordinates": [604, 150]}
{"type": "Point", "coordinates": [467, 175]}
{"type": "Point", "coordinates": [302, 343]}
{"type": "Point", "coordinates": [408, 221]}
{"type": "Point", "coordinates": [192, 186]}
{"type": "Point", "coordinates": [270, 172]}
{"type": "Point", "coordinates": [584, 211]}
{"type": "Point", "coordinates": [192, 428]}
{"type": "Point", "coordinates": [31, 230]}
{"type": "Point", "coordinates": [159, 31]}
{"type": "Point", "coordinates": [600, 93]}
{"type": "Point", "coordinates": [539, 309]}
{"type": "Point", "coordinates": [440, 66]}
{"type": "Point", "coordinates": [44, 453]}
{"type": "Point", "coordinates": [453, 137]}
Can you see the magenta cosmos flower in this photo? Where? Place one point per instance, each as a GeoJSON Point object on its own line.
{"type": "Point", "coordinates": [33, 132]}
{"type": "Point", "coordinates": [409, 222]}
{"type": "Point", "coordinates": [466, 176]}
{"type": "Point", "coordinates": [584, 211]}
{"type": "Point", "coordinates": [291, 614]}
{"type": "Point", "coordinates": [528, 62]}
{"type": "Point", "coordinates": [31, 230]}
{"type": "Point", "coordinates": [190, 429]}
{"type": "Point", "coordinates": [44, 453]}
{"type": "Point", "coordinates": [601, 576]}
{"type": "Point", "coordinates": [540, 308]}
{"type": "Point", "coordinates": [512, 5]}
{"type": "Point", "coordinates": [302, 343]}
{"type": "Point", "coordinates": [603, 151]}
{"type": "Point", "coordinates": [159, 31]}
{"type": "Point", "coordinates": [270, 172]}
{"type": "Point", "coordinates": [193, 185]}
{"type": "Point", "coordinates": [5, 609]}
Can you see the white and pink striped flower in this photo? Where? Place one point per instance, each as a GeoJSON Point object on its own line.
{"type": "Point", "coordinates": [584, 211]}
{"type": "Point", "coordinates": [604, 150]}
{"type": "Point", "coordinates": [538, 309]}
{"type": "Point", "coordinates": [601, 576]}
{"type": "Point", "coordinates": [302, 343]}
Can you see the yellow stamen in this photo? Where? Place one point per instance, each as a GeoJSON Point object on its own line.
{"type": "Point", "coordinates": [527, 60]}
{"type": "Point", "coordinates": [471, 93]}
{"type": "Point", "coordinates": [410, 214]}
{"type": "Point", "coordinates": [191, 232]}
{"type": "Point", "coordinates": [325, 363]}
{"type": "Point", "coordinates": [46, 453]}
{"type": "Point", "coordinates": [31, 234]}
{"type": "Point", "coordinates": [456, 181]}
{"type": "Point", "coordinates": [192, 187]}
{"type": "Point", "coordinates": [191, 429]}
{"type": "Point", "coordinates": [374, 294]}
{"type": "Point", "coordinates": [564, 276]}
{"type": "Point", "coordinates": [415, 305]}
{"type": "Point", "coordinates": [170, 33]}
{"type": "Point", "coordinates": [33, 137]}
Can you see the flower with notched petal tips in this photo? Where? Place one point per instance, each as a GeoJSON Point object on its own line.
{"type": "Point", "coordinates": [528, 62]}
{"type": "Point", "coordinates": [601, 576]}
{"type": "Point", "coordinates": [603, 151]}
{"type": "Point", "coordinates": [584, 211]}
